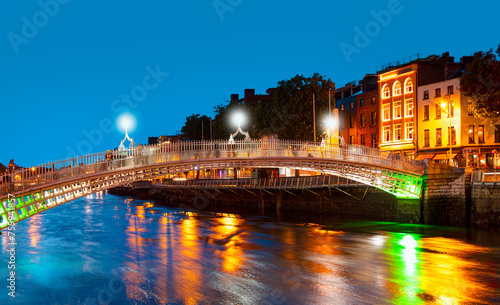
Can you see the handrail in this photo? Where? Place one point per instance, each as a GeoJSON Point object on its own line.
{"type": "Point", "coordinates": [59, 171]}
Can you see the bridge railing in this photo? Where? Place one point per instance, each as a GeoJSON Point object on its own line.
{"type": "Point", "coordinates": [264, 183]}
{"type": "Point", "coordinates": [59, 171]}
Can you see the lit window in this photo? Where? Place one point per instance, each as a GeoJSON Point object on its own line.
{"type": "Point", "coordinates": [397, 89]}
{"type": "Point", "coordinates": [342, 107]}
{"type": "Point", "coordinates": [409, 130]}
{"type": "Point", "coordinates": [470, 107]}
{"type": "Point", "coordinates": [426, 112]}
{"type": "Point", "coordinates": [453, 136]}
{"type": "Point", "coordinates": [397, 132]}
{"type": "Point", "coordinates": [471, 134]}
{"type": "Point", "coordinates": [387, 133]}
{"type": "Point", "coordinates": [426, 94]}
{"type": "Point", "coordinates": [439, 137]}
{"type": "Point", "coordinates": [408, 86]}
{"type": "Point", "coordinates": [362, 139]}
{"type": "Point", "coordinates": [351, 105]}
{"type": "Point", "coordinates": [386, 92]}
{"type": "Point", "coordinates": [397, 110]}
{"type": "Point", "coordinates": [409, 107]}
{"type": "Point", "coordinates": [362, 119]}
{"type": "Point", "coordinates": [480, 133]}
{"type": "Point", "coordinates": [386, 112]}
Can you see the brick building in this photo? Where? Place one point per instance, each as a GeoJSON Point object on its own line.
{"type": "Point", "coordinates": [251, 98]}
{"type": "Point", "coordinates": [398, 91]}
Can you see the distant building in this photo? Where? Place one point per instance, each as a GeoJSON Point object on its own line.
{"type": "Point", "coordinates": [164, 138]}
{"type": "Point", "coordinates": [251, 98]}
{"type": "Point", "coordinates": [354, 102]}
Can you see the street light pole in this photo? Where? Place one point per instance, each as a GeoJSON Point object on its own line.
{"type": "Point", "coordinates": [448, 97]}
{"type": "Point", "coordinates": [314, 118]}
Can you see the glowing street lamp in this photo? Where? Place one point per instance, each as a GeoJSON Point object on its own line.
{"type": "Point", "coordinates": [126, 122]}
{"type": "Point", "coordinates": [238, 119]}
{"type": "Point", "coordinates": [332, 124]}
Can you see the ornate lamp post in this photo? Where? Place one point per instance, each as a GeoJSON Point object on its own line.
{"type": "Point", "coordinates": [239, 119]}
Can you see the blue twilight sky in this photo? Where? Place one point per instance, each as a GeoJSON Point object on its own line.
{"type": "Point", "coordinates": [67, 66]}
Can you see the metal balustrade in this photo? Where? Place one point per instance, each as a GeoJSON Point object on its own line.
{"type": "Point", "coordinates": [306, 182]}
{"type": "Point", "coordinates": [79, 167]}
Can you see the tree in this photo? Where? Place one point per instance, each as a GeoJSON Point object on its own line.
{"type": "Point", "coordinates": [192, 129]}
{"type": "Point", "coordinates": [290, 114]}
{"type": "Point", "coordinates": [481, 83]}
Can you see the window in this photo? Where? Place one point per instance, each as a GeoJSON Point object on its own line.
{"type": "Point", "coordinates": [438, 111]}
{"type": "Point", "coordinates": [363, 139]}
{"type": "Point", "coordinates": [374, 118]}
{"type": "Point", "coordinates": [342, 107]}
{"type": "Point", "coordinates": [351, 105]}
{"type": "Point", "coordinates": [426, 94]}
{"type": "Point", "coordinates": [439, 139]}
{"type": "Point", "coordinates": [470, 107]}
{"type": "Point", "coordinates": [397, 110]}
{"type": "Point", "coordinates": [351, 121]}
{"type": "Point", "coordinates": [450, 90]}
{"type": "Point", "coordinates": [374, 100]}
{"type": "Point", "coordinates": [497, 133]}
{"type": "Point", "coordinates": [386, 92]}
{"type": "Point", "coordinates": [438, 92]}
{"type": "Point", "coordinates": [351, 140]}
{"type": "Point", "coordinates": [397, 89]}
{"type": "Point", "coordinates": [426, 112]}
{"type": "Point", "coordinates": [453, 136]}
{"type": "Point", "coordinates": [342, 123]}
{"type": "Point", "coordinates": [397, 132]}
{"type": "Point", "coordinates": [374, 139]}
{"type": "Point", "coordinates": [387, 133]}
{"type": "Point", "coordinates": [471, 134]}
{"type": "Point", "coordinates": [409, 107]}
{"type": "Point", "coordinates": [362, 119]}
{"type": "Point", "coordinates": [480, 134]}
{"type": "Point", "coordinates": [362, 102]}
{"type": "Point", "coordinates": [426, 138]}
{"type": "Point", "coordinates": [408, 85]}
{"type": "Point", "coordinates": [409, 130]}
{"type": "Point", "coordinates": [386, 112]}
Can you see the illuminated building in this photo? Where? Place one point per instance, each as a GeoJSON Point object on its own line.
{"type": "Point", "coordinates": [398, 90]}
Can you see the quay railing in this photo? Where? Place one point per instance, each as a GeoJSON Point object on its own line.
{"type": "Point", "coordinates": [141, 156]}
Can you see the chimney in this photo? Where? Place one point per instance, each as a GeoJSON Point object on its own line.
{"type": "Point", "coordinates": [235, 97]}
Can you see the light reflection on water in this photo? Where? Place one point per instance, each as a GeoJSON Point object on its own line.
{"type": "Point", "coordinates": [113, 250]}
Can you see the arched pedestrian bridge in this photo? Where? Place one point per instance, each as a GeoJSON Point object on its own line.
{"type": "Point", "coordinates": [37, 189]}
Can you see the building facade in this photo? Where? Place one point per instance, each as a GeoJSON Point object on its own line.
{"type": "Point", "coordinates": [398, 93]}
{"type": "Point", "coordinates": [367, 113]}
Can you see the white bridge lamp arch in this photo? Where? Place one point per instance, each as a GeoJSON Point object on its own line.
{"type": "Point", "coordinates": [238, 118]}
{"type": "Point", "coordinates": [332, 125]}
{"type": "Point", "coordinates": [126, 122]}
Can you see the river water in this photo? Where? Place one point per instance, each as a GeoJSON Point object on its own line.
{"type": "Point", "coordinates": [105, 249]}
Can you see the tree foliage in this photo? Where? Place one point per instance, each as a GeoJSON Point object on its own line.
{"type": "Point", "coordinates": [481, 83]}
{"type": "Point", "coordinates": [290, 114]}
{"type": "Point", "coordinates": [192, 129]}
